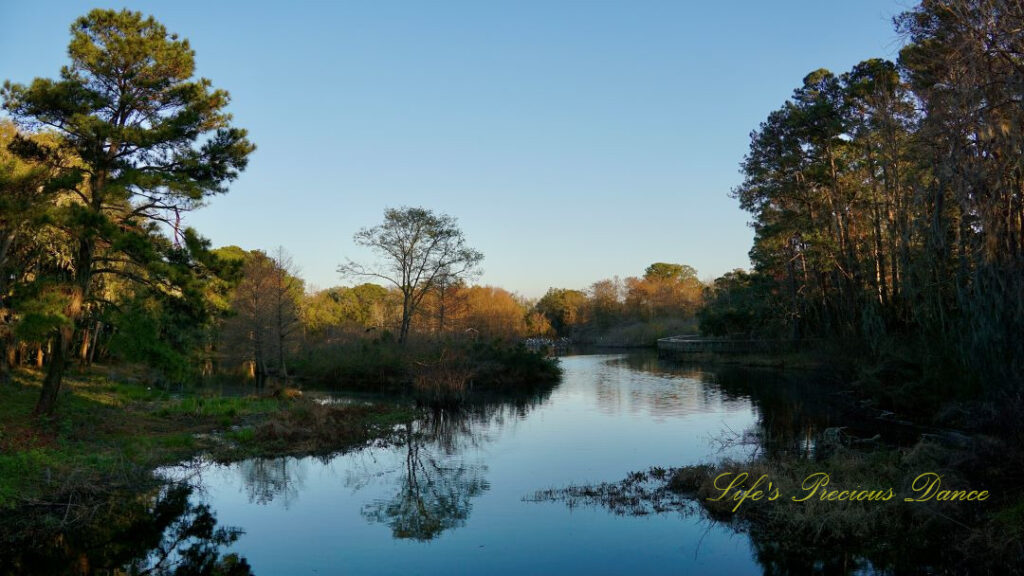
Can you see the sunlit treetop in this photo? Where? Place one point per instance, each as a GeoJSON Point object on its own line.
{"type": "Point", "coordinates": [128, 105]}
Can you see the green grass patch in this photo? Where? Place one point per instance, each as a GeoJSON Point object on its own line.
{"type": "Point", "coordinates": [108, 434]}
{"type": "Point", "coordinates": [218, 407]}
{"type": "Point", "coordinates": [20, 470]}
{"type": "Point", "coordinates": [242, 436]}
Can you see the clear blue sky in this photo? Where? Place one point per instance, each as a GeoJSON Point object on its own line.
{"type": "Point", "coordinates": [573, 140]}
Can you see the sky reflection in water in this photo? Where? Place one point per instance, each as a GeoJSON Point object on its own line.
{"type": "Point", "coordinates": [451, 499]}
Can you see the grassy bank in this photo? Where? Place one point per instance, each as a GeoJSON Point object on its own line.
{"type": "Point", "coordinates": [109, 435]}
{"type": "Point", "coordinates": [110, 430]}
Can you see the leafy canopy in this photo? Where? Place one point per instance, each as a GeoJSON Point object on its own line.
{"type": "Point", "coordinates": [129, 108]}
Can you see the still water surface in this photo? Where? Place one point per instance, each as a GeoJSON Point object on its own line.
{"type": "Point", "coordinates": [454, 497]}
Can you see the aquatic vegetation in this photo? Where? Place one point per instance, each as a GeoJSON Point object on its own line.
{"type": "Point", "coordinates": [871, 508]}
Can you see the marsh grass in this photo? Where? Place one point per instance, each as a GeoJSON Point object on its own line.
{"type": "Point", "coordinates": [312, 428]}
{"type": "Point", "coordinates": [443, 377]}
{"type": "Point", "coordinates": [218, 406]}
{"type": "Point", "coordinates": [889, 535]}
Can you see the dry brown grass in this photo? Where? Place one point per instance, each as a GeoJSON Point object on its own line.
{"type": "Point", "coordinates": [950, 537]}
{"type": "Point", "coordinates": [309, 427]}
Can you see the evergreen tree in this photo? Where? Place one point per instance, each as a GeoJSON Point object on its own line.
{"type": "Point", "coordinates": [154, 142]}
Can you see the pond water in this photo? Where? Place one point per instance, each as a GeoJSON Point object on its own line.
{"type": "Point", "coordinates": [453, 496]}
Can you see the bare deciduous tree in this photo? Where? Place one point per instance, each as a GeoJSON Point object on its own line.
{"type": "Point", "coordinates": [417, 249]}
{"type": "Point", "coordinates": [266, 321]}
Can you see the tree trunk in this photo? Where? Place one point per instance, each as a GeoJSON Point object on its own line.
{"type": "Point", "coordinates": [5, 360]}
{"type": "Point", "coordinates": [54, 374]}
{"type": "Point", "coordinates": [83, 349]}
{"type": "Point", "coordinates": [11, 354]}
{"type": "Point", "coordinates": [403, 333]}
{"type": "Point", "coordinates": [282, 369]}
{"type": "Point", "coordinates": [95, 341]}
{"type": "Point", "coordinates": [60, 351]}
{"type": "Point", "coordinates": [440, 313]}
{"type": "Point", "coordinates": [6, 339]}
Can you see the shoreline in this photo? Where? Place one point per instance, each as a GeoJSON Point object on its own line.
{"type": "Point", "coordinates": [111, 435]}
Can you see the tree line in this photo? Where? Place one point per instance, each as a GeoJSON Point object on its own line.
{"type": "Point", "coordinates": [888, 201]}
{"type": "Point", "coordinates": [634, 311]}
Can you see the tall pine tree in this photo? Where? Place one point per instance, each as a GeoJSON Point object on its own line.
{"type": "Point", "coordinates": [154, 142]}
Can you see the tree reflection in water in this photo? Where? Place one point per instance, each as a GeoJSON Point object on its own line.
{"type": "Point", "coordinates": [795, 412]}
{"type": "Point", "coordinates": [435, 492]}
{"type": "Point", "coordinates": [437, 482]}
{"type": "Point", "coordinates": [268, 479]}
{"type": "Point", "coordinates": [156, 533]}
{"type": "Point", "coordinates": [793, 407]}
